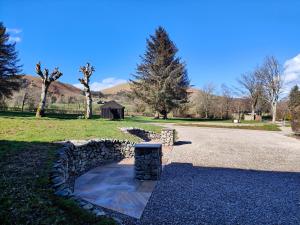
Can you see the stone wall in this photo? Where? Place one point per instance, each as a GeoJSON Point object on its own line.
{"type": "Point", "coordinates": [75, 158]}
{"type": "Point", "coordinates": [168, 137]}
{"type": "Point", "coordinates": [148, 161]}
{"type": "Point", "coordinates": [141, 133]}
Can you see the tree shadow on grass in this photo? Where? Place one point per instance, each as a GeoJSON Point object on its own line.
{"type": "Point", "coordinates": [11, 114]}
{"type": "Point", "coordinates": [26, 196]}
{"type": "Point", "coordinates": [188, 194]}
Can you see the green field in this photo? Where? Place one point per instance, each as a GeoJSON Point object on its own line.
{"type": "Point", "coordinates": [27, 150]}
{"type": "Point", "coordinates": [213, 123]}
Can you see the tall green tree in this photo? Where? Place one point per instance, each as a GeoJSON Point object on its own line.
{"type": "Point", "coordinates": [161, 80]}
{"type": "Point", "coordinates": [294, 97]}
{"type": "Point", "coordinates": [294, 106]}
{"type": "Point", "coordinates": [9, 67]}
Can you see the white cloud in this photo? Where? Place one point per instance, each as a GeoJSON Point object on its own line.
{"type": "Point", "coordinates": [14, 34]}
{"type": "Point", "coordinates": [14, 39]}
{"type": "Point", "coordinates": [291, 73]}
{"type": "Point", "coordinates": [105, 83]}
{"type": "Point", "coordinates": [13, 30]}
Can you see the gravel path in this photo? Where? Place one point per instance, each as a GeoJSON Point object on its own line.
{"type": "Point", "coordinates": [227, 176]}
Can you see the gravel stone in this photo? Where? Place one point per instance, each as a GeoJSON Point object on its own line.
{"type": "Point", "coordinates": [228, 176]}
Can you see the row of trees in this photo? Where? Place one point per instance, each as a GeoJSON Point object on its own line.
{"type": "Point", "coordinates": [10, 79]}
{"type": "Point", "coordinates": [47, 79]}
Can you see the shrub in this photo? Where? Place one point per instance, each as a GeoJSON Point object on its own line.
{"type": "Point", "coordinates": [294, 105]}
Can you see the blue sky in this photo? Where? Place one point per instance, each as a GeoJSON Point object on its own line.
{"type": "Point", "coordinates": [218, 40]}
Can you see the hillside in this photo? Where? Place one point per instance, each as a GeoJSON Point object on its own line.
{"type": "Point", "coordinates": [125, 87]}
{"type": "Point", "coordinates": [57, 88]}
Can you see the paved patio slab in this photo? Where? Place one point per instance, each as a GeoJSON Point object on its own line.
{"type": "Point", "coordinates": [113, 186]}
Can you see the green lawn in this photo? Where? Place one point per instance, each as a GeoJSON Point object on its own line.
{"type": "Point", "coordinates": [144, 119]}
{"type": "Point", "coordinates": [27, 150]}
{"type": "Point", "coordinates": [265, 127]}
{"type": "Point", "coordinates": [25, 127]}
{"type": "Point", "coordinates": [206, 122]}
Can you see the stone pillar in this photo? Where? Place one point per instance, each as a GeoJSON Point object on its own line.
{"type": "Point", "coordinates": [148, 161]}
{"type": "Point", "coordinates": [167, 136]}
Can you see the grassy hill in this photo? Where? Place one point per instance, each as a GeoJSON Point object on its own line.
{"type": "Point", "coordinates": [33, 84]}
{"type": "Point", "coordinates": [125, 87]}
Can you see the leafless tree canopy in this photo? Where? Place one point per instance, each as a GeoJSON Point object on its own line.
{"type": "Point", "coordinates": [251, 87]}
{"type": "Point", "coordinates": [270, 75]}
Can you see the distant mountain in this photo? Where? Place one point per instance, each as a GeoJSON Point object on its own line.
{"type": "Point", "coordinates": [57, 88]}
{"type": "Point", "coordinates": [125, 87]}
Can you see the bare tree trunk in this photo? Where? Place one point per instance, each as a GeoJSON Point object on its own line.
{"type": "Point", "coordinates": [164, 114]}
{"type": "Point", "coordinates": [24, 100]}
{"type": "Point", "coordinates": [88, 97]}
{"type": "Point", "coordinates": [206, 114]}
{"type": "Point", "coordinates": [274, 110]}
{"type": "Point", "coordinates": [41, 109]}
{"type": "Point", "coordinates": [252, 110]}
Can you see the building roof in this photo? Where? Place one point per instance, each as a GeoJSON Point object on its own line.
{"type": "Point", "coordinates": [112, 105]}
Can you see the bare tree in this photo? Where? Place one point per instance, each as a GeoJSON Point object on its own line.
{"type": "Point", "coordinates": [270, 75]}
{"type": "Point", "coordinates": [251, 88]}
{"type": "Point", "coordinates": [46, 81]}
{"type": "Point", "coordinates": [205, 99]}
{"type": "Point", "coordinates": [87, 71]}
{"type": "Point", "coordinates": [226, 100]}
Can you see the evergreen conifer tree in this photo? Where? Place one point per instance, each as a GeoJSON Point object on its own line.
{"type": "Point", "coordinates": [161, 79]}
{"type": "Point", "coordinates": [9, 67]}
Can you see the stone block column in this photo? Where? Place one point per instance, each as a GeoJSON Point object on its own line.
{"type": "Point", "coordinates": [148, 161]}
{"type": "Point", "coordinates": [167, 136]}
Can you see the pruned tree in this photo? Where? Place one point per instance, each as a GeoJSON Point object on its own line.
{"type": "Point", "coordinates": [47, 79]}
{"type": "Point", "coordinates": [87, 71]}
{"type": "Point", "coordinates": [270, 76]}
{"type": "Point", "coordinates": [9, 68]}
{"type": "Point", "coordinates": [251, 88]}
{"type": "Point", "coordinates": [161, 79]}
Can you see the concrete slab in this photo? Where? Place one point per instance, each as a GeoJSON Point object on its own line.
{"type": "Point", "coordinates": [113, 186]}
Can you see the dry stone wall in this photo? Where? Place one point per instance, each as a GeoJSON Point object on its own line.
{"type": "Point", "coordinates": [166, 137]}
{"type": "Point", "coordinates": [77, 157]}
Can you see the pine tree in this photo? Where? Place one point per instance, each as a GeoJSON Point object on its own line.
{"type": "Point", "coordinates": [9, 67]}
{"type": "Point", "coordinates": [294, 97]}
{"type": "Point", "coordinates": [161, 79]}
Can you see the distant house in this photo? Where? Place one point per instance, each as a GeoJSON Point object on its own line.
{"type": "Point", "coordinates": [112, 110]}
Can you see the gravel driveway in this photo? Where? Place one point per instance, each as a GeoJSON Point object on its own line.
{"type": "Point", "coordinates": [228, 176]}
